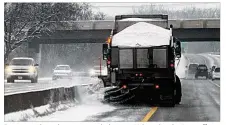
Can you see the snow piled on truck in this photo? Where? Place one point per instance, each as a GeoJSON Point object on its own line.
{"type": "Point", "coordinates": [139, 19]}
{"type": "Point", "coordinates": [142, 35]}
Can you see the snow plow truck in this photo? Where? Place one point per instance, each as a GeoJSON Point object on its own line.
{"type": "Point", "coordinates": [140, 56]}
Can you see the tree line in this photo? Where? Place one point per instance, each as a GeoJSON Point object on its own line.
{"type": "Point", "coordinates": [26, 21]}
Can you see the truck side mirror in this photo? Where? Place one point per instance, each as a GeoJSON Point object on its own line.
{"type": "Point", "coordinates": [178, 48]}
{"type": "Point", "coordinates": [105, 51]}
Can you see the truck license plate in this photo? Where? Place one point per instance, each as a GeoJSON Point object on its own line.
{"type": "Point", "coordinates": [20, 77]}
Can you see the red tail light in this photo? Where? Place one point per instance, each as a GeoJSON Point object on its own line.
{"type": "Point", "coordinates": [171, 65]}
{"type": "Point", "coordinates": [136, 74]}
{"type": "Point", "coordinates": [124, 86]}
{"type": "Point", "coordinates": [108, 62]}
{"type": "Point", "coordinates": [157, 86]}
{"type": "Point", "coordinates": [141, 74]}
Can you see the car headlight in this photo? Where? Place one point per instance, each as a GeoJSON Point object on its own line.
{"type": "Point", "coordinates": [31, 69]}
{"type": "Point", "coordinates": [8, 69]}
{"type": "Point", "coordinates": [91, 72]}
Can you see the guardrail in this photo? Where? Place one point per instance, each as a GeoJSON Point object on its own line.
{"type": "Point", "coordinates": [23, 101]}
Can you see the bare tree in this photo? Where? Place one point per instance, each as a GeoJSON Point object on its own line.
{"type": "Point", "coordinates": [26, 21]}
{"type": "Point", "coordinates": [186, 13]}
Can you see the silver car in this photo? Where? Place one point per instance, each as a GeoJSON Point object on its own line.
{"type": "Point", "coordinates": [62, 71]}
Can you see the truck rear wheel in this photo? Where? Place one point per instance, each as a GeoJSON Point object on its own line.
{"type": "Point", "coordinates": [178, 91]}
{"type": "Point", "coordinates": [172, 102]}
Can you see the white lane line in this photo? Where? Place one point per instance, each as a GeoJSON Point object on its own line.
{"type": "Point", "coordinates": [214, 83]}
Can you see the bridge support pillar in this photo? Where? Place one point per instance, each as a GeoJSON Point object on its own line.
{"type": "Point", "coordinates": [34, 51]}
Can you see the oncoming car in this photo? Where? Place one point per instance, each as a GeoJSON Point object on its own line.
{"type": "Point", "coordinates": [216, 73]}
{"type": "Point", "coordinates": [62, 71]}
{"type": "Point", "coordinates": [21, 68]}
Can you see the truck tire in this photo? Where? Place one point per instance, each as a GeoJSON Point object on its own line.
{"type": "Point", "coordinates": [178, 91]}
{"type": "Point", "coordinates": [172, 102]}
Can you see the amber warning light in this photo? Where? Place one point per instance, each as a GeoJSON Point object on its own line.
{"type": "Point", "coordinates": [109, 40]}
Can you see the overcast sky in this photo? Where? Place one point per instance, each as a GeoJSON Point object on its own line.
{"type": "Point", "coordinates": [112, 9]}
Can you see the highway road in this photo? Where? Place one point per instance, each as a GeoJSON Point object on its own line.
{"type": "Point", "coordinates": [200, 102]}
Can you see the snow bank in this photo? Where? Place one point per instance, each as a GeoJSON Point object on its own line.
{"type": "Point", "coordinates": [142, 35]}
{"type": "Point", "coordinates": [210, 60]}
{"type": "Point", "coordinates": [78, 113]}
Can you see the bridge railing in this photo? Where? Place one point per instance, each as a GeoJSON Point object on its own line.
{"type": "Point", "coordinates": [109, 24]}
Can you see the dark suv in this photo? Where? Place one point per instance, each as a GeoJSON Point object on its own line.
{"type": "Point", "coordinates": [202, 70]}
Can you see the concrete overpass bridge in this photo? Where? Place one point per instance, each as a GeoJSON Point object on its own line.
{"type": "Point", "coordinates": [98, 31]}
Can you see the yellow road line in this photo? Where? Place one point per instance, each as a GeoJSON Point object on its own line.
{"type": "Point", "coordinates": [148, 116]}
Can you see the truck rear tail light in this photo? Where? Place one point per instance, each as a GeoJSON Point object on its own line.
{"type": "Point", "coordinates": [172, 65]}
{"type": "Point", "coordinates": [141, 74]}
{"type": "Point", "coordinates": [136, 74]}
{"type": "Point", "coordinates": [124, 86]}
{"type": "Point", "coordinates": [157, 86]}
{"type": "Point", "coordinates": [108, 62]}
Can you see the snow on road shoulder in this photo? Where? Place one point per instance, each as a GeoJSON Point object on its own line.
{"type": "Point", "coordinates": [216, 58]}
{"type": "Point", "coordinates": [212, 60]}
{"type": "Point", "coordinates": [77, 113]}
{"type": "Point", "coordinates": [36, 112]}
{"type": "Point", "coordinates": [89, 105]}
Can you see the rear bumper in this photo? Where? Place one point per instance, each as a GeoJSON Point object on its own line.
{"type": "Point", "coordinates": [216, 77]}
{"type": "Point", "coordinates": [202, 74]}
{"type": "Point", "coordinates": [152, 89]}
{"type": "Point", "coordinates": [149, 92]}
{"type": "Point", "coordinates": [61, 76]}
